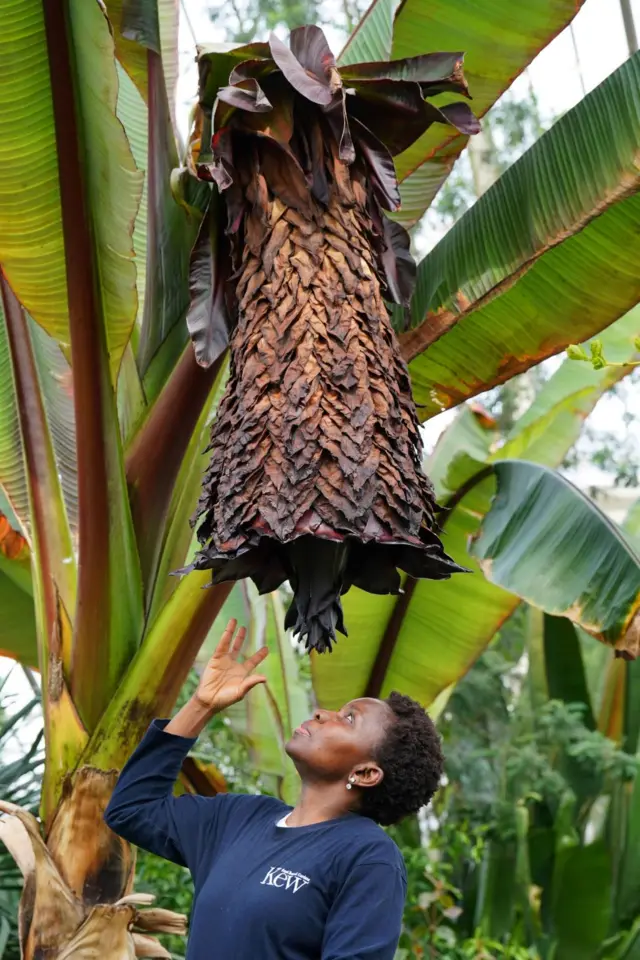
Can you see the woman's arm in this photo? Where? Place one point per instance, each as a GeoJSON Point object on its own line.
{"type": "Point", "coordinates": [142, 808]}
{"type": "Point", "coordinates": [365, 920]}
{"type": "Point", "coordinates": [190, 720]}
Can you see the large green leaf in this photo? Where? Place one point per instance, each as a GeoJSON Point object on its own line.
{"type": "Point", "coordinates": [164, 232]}
{"type": "Point", "coordinates": [546, 542]}
{"type": "Point", "coordinates": [61, 58]}
{"type": "Point", "coordinates": [581, 908]}
{"type": "Point", "coordinates": [472, 433]}
{"type": "Point", "coordinates": [565, 672]}
{"type": "Point", "coordinates": [499, 41]}
{"type": "Point", "coordinates": [33, 256]}
{"type": "Point", "coordinates": [556, 416]}
{"type": "Point", "coordinates": [546, 257]}
{"type": "Point", "coordinates": [455, 620]}
{"type": "Point", "coordinates": [13, 480]}
{"type": "Point", "coordinates": [373, 36]}
{"type": "Point", "coordinates": [138, 26]}
{"type": "Point", "coordinates": [560, 653]}
{"type": "Point", "coordinates": [50, 537]}
{"type": "Point", "coordinates": [628, 881]}
{"type": "Point", "coordinates": [56, 386]}
{"type": "Point", "coordinates": [18, 621]}
{"type": "Point", "coordinates": [495, 905]}
{"type": "Point", "coordinates": [171, 233]}
{"type": "Point", "coordinates": [132, 113]}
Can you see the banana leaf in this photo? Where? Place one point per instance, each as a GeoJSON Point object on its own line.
{"type": "Point", "coordinates": [581, 910]}
{"type": "Point", "coordinates": [499, 41]}
{"type": "Point", "coordinates": [545, 541]}
{"type": "Point", "coordinates": [546, 256]}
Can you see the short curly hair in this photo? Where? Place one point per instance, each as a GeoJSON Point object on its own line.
{"type": "Point", "coordinates": [410, 755]}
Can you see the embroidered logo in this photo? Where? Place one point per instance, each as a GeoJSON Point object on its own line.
{"type": "Point", "coordinates": [279, 877]}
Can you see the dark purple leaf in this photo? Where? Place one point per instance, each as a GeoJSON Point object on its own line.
{"type": "Point", "coordinates": [221, 171]}
{"type": "Point", "coordinates": [284, 175]}
{"type": "Point", "coordinates": [308, 144]}
{"type": "Point", "coordinates": [215, 66]}
{"type": "Point", "coordinates": [338, 119]}
{"type": "Point", "coordinates": [318, 91]}
{"type": "Point", "coordinates": [222, 114]}
{"type": "Point", "coordinates": [255, 69]}
{"type": "Point", "coordinates": [445, 86]}
{"type": "Point", "coordinates": [245, 95]}
{"type": "Point", "coordinates": [394, 110]}
{"type": "Point", "coordinates": [319, 187]}
{"type": "Point", "coordinates": [382, 173]}
{"type": "Point", "coordinates": [215, 172]}
{"type": "Point", "coordinates": [460, 116]}
{"type": "Point", "coordinates": [309, 46]}
{"type": "Point", "coordinates": [278, 122]}
{"type": "Point", "coordinates": [436, 71]}
{"type": "Point", "coordinates": [207, 318]}
{"type": "Point", "coordinates": [397, 117]}
{"type": "Point", "coordinates": [236, 209]}
{"type": "Point", "coordinates": [399, 265]}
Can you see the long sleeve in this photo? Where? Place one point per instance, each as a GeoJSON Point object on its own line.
{"type": "Point", "coordinates": [365, 920]}
{"type": "Point", "coordinates": [143, 809]}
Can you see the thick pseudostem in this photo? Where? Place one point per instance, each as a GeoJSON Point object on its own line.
{"type": "Point", "coordinates": [77, 900]}
{"type": "Point", "coordinates": [317, 434]}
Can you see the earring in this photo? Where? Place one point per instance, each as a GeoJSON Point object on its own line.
{"type": "Point", "coordinates": [351, 782]}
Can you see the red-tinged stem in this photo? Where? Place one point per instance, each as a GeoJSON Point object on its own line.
{"type": "Point", "coordinates": [155, 456]}
{"type": "Point", "coordinates": [43, 482]}
{"type": "Point", "coordinates": [94, 402]}
{"type": "Point", "coordinates": [202, 778]}
{"type": "Point", "coordinates": [389, 640]}
{"type": "Point", "coordinates": [394, 624]}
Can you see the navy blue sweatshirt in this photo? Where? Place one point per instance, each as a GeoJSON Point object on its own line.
{"type": "Point", "coordinates": [328, 891]}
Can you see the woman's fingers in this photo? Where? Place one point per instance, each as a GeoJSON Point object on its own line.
{"type": "Point", "coordinates": [252, 662]}
{"type": "Point", "coordinates": [251, 682]}
{"type": "Point", "coordinates": [225, 639]}
{"type": "Point", "coordinates": [239, 639]}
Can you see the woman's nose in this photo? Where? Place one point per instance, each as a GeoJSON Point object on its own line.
{"type": "Point", "coordinates": [320, 715]}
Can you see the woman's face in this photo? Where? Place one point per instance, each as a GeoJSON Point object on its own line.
{"type": "Point", "coordinates": [332, 745]}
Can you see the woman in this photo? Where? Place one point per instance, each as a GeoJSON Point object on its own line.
{"type": "Point", "coordinates": [320, 881]}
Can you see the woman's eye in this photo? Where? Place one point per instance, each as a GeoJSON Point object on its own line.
{"type": "Point", "coordinates": [350, 717]}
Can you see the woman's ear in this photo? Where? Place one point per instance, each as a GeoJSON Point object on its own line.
{"type": "Point", "coordinates": [367, 775]}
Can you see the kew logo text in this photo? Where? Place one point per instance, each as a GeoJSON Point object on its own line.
{"type": "Point", "coordinates": [279, 877]}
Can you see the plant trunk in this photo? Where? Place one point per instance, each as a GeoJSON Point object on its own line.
{"type": "Point", "coordinates": [77, 901]}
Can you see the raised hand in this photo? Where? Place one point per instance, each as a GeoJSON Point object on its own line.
{"type": "Point", "coordinates": [226, 679]}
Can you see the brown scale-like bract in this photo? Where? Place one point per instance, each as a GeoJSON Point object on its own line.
{"type": "Point", "coordinates": [315, 474]}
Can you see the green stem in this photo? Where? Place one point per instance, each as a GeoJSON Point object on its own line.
{"type": "Point", "coordinates": [151, 686]}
